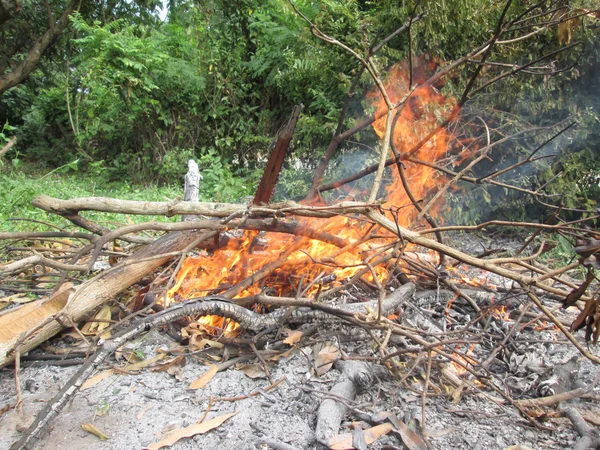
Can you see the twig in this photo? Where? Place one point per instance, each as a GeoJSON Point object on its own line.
{"type": "Point", "coordinates": [424, 395]}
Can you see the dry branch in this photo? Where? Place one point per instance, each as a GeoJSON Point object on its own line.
{"type": "Point", "coordinates": [8, 146]}
{"type": "Point", "coordinates": [169, 209]}
{"type": "Point", "coordinates": [21, 330]}
{"type": "Point", "coordinates": [203, 306]}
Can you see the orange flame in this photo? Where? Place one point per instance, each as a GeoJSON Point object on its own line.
{"type": "Point", "coordinates": [421, 115]}
{"type": "Point", "coordinates": [300, 258]}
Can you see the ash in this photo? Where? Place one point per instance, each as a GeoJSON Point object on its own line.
{"type": "Point", "coordinates": [137, 409]}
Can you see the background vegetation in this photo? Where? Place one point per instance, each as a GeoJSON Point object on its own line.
{"type": "Point", "coordinates": [124, 95]}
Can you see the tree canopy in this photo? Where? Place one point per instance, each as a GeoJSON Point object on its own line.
{"type": "Point", "coordinates": [130, 95]}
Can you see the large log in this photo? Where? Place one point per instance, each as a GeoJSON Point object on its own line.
{"type": "Point", "coordinates": [61, 207]}
{"type": "Point", "coordinates": [26, 328]}
{"type": "Point", "coordinates": [209, 209]}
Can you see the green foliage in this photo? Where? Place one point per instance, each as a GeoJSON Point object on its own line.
{"type": "Point", "coordinates": [18, 188]}
{"type": "Point", "coordinates": [133, 98]}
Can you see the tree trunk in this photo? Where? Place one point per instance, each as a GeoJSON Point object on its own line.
{"type": "Point", "coordinates": [26, 66]}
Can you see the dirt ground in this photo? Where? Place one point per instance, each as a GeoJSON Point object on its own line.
{"type": "Point", "coordinates": [135, 410]}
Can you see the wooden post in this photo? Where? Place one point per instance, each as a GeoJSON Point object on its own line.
{"type": "Point", "coordinates": [192, 187]}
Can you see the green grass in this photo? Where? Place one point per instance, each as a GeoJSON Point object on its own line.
{"type": "Point", "coordinates": [19, 188]}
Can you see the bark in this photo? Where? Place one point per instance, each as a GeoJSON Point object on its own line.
{"type": "Point", "coordinates": [265, 190]}
{"type": "Point", "coordinates": [28, 64]}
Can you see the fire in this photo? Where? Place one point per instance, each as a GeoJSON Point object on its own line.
{"type": "Point", "coordinates": [422, 114]}
{"type": "Point", "coordinates": [281, 262]}
{"type": "Point", "coordinates": [501, 313]}
{"type": "Point", "coordinates": [465, 358]}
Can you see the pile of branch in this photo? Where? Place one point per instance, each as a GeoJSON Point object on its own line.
{"type": "Point", "coordinates": [135, 252]}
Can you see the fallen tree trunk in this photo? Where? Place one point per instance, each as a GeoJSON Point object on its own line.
{"type": "Point", "coordinates": [209, 209]}
{"type": "Point", "coordinates": [25, 328]}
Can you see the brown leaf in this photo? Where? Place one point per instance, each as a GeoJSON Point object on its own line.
{"type": "Point", "coordinates": [93, 328]}
{"type": "Point", "coordinates": [93, 381]}
{"type": "Point", "coordinates": [344, 441]}
{"type": "Point", "coordinates": [588, 318]}
{"type": "Point", "coordinates": [192, 430]}
{"type": "Point", "coordinates": [16, 298]}
{"type": "Point", "coordinates": [285, 354]}
{"type": "Point", "coordinates": [125, 369]}
{"type": "Point", "coordinates": [293, 336]}
{"type": "Point", "coordinates": [253, 371]}
{"type": "Point", "coordinates": [326, 355]}
{"type": "Point", "coordinates": [164, 366]}
{"type": "Point", "coordinates": [410, 437]}
{"type": "Point", "coordinates": [576, 294]}
{"type": "Point", "coordinates": [93, 429]}
{"type": "Point", "coordinates": [205, 378]}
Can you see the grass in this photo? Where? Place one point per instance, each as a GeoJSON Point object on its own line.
{"type": "Point", "coordinates": [19, 188]}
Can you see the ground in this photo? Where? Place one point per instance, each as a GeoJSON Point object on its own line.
{"type": "Point", "coordinates": [135, 410]}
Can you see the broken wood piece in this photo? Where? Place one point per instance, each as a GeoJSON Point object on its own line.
{"type": "Point", "coordinates": [356, 375]}
{"type": "Point", "coordinates": [588, 439]}
{"type": "Point", "coordinates": [266, 187]}
{"type": "Point", "coordinates": [87, 297]}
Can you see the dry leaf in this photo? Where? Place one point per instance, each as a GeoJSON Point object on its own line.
{"type": "Point", "coordinates": [172, 367]}
{"type": "Point", "coordinates": [192, 430]}
{"type": "Point", "coordinates": [410, 437]}
{"type": "Point", "coordinates": [93, 429]}
{"type": "Point", "coordinates": [326, 355]}
{"type": "Point", "coordinates": [143, 412]}
{"type": "Point", "coordinates": [344, 441]}
{"type": "Point", "coordinates": [457, 394]}
{"type": "Point", "coordinates": [16, 298]}
{"type": "Point", "coordinates": [292, 336]}
{"type": "Point", "coordinates": [125, 369]}
{"type": "Point", "coordinates": [253, 371]}
{"type": "Point", "coordinates": [285, 354]}
{"type": "Point", "coordinates": [202, 343]}
{"type": "Point", "coordinates": [577, 293]}
{"type": "Point", "coordinates": [142, 364]}
{"type": "Point", "coordinates": [93, 381]}
{"type": "Point", "coordinates": [205, 378]}
{"type": "Point", "coordinates": [93, 328]}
